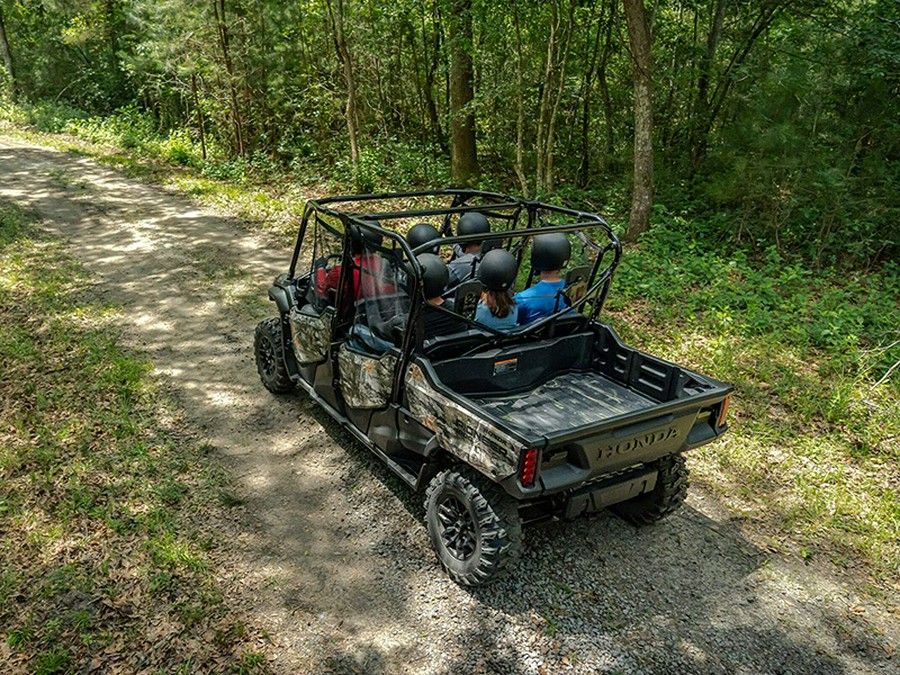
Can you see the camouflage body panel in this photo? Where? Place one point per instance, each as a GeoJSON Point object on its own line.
{"type": "Point", "coordinates": [311, 335]}
{"type": "Point", "coordinates": [460, 432]}
{"type": "Point", "coordinates": [366, 381]}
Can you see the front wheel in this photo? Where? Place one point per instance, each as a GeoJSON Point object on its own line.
{"type": "Point", "coordinates": [475, 528]}
{"type": "Point", "coordinates": [269, 347]}
{"type": "Point", "coordinates": [668, 495]}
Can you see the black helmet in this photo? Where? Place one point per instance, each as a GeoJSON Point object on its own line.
{"type": "Point", "coordinates": [472, 223]}
{"type": "Point", "coordinates": [550, 252]}
{"type": "Point", "coordinates": [359, 236]}
{"type": "Point", "coordinates": [421, 234]}
{"type": "Point", "coordinates": [434, 274]}
{"type": "Point", "coordinates": [498, 270]}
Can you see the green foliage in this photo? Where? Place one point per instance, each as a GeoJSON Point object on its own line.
{"type": "Point", "coordinates": [394, 165]}
{"type": "Point", "coordinates": [681, 264]}
{"type": "Point", "coordinates": [102, 507]}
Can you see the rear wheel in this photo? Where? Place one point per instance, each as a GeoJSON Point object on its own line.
{"type": "Point", "coordinates": [269, 348]}
{"type": "Point", "coordinates": [668, 495]}
{"type": "Point", "coordinates": [475, 528]}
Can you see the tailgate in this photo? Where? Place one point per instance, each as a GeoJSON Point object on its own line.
{"type": "Point", "coordinates": [586, 454]}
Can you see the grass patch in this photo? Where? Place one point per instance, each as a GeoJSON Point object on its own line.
{"type": "Point", "coordinates": [104, 510]}
{"type": "Point", "coordinates": [811, 460]}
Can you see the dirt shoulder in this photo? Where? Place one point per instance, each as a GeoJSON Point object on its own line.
{"type": "Point", "coordinates": [328, 554]}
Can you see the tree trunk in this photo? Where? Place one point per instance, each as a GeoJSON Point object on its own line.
{"type": "Point", "coordinates": [337, 24]}
{"type": "Point", "coordinates": [701, 103]}
{"type": "Point", "coordinates": [429, 77]}
{"type": "Point", "coordinates": [584, 166]}
{"type": "Point", "coordinates": [6, 54]}
{"type": "Point", "coordinates": [520, 104]}
{"type": "Point", "coordinates": [199, 112]}
{"type": "Point", "coordinates": [219, 11]}
{"type": "Point", "coordinates": [608, 111]}
{"type": "Point", "coordinates": [561, 79]}
{"type": "Point", "coordinates": [545, 101]}
{"type": "Point", "coordinates": [639, 41]}
{"type": "Point", "coordinates": [767, 14]}
{"type": "Point", "coordinates": [463, 157]}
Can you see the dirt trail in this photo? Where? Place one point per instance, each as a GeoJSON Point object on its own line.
{"type": "Point", "coordinates": [331, 557]}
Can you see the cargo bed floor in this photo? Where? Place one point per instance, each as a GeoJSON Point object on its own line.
{"type": "Point", "coordinates": [566, 402]}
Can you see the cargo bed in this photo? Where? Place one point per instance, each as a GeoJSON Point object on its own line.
{"type": "Point", "coordinates": [591, 404]}
{"type": "Point", "coordinates": [574, 399]}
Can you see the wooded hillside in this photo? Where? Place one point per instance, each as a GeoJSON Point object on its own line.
{"type": "Point", "coordinates": [782, 113]}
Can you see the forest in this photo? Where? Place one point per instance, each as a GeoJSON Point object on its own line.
{"type": "Point", "coordinates": [782, 114]}
{"type": "Point", "coordinates": [746, 151]}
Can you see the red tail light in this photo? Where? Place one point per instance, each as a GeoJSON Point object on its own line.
{"type": "Point", "coordinates": [723, 411]}
{"type": "Point", "coordinates": [529, 467]}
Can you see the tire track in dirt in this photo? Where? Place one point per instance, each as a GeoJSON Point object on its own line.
{"type": "Point", "coordinates": [330, 555]}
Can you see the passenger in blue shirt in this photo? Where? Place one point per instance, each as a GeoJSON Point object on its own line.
{"type": "Point", "coordinates": [549, 254]}
{"type": "Point", "coordinates": [497, 273]}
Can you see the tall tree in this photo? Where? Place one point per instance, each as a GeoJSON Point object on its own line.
{"type": "Point", "coordinates": [6, 54]}
{"type": "Point", "coordinates": [463, 154]}
{"type": "Point", "coordinates": [340, 40]}
{"type": "Point", "coordinates": [642, 195]}
{"type": "Point", "coordinates": [225, 44]}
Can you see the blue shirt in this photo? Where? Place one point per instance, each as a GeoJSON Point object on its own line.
{"type": "Point", "coordinates": [540, 300]}
{"type": "Point", "coordinates": [483, 315]}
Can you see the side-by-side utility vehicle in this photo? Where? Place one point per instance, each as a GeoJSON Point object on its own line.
{"type": "Point", "coordinates": [555, 418]}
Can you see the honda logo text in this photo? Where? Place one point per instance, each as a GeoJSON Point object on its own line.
{"type": "Point", "coordinates": [632, 444]}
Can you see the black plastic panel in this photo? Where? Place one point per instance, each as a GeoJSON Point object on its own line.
{"type": "Point", "coordinates": [517, 368]}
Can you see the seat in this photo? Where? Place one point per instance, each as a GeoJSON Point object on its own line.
{"type": "Point", "coordinates": [468, 294]}
{"type": "Point", "coordinates": [576, 284]}
{"type": "Point", "coordinates": [446, 346]}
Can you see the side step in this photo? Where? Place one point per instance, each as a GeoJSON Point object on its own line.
{"type": "Point", "coordinates": [407, 477]}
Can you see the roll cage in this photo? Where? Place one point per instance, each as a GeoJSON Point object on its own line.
{"type": "Point", "coordinates": [539, 217]}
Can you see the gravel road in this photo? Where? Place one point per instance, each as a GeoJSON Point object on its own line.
{"type": "Point", "coordinates": [328, 553]}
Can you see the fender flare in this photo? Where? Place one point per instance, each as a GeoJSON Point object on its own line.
{"type": "Point", "coordinates": [281, 299]}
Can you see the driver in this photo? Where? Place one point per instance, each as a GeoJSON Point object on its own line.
{"type": "Point", "coordinates": [549, 254]}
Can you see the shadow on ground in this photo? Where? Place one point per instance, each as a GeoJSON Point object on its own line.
{"type": "Point", "coordinates": [327, 549]}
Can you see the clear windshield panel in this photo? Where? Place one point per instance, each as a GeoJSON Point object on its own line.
{"type": "Point", "coordinates": [325, 274]}
{"type": "Point", "coordinates": [379, 288]}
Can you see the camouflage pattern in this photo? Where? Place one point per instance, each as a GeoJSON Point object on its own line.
{"type": "Point", "coordinates": [311, 335]}
{"type": "Point", "coordinates": [567, 401]}
{"type": "Point", "coordinates": [366, 380]}
{"type": "Point", "coordinates": [460, 432]}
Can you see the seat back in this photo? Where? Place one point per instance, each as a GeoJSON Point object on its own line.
{"type": "Point", "coordinates": [468, 293]}
{"type": "Point", "coordinates": [576, 284]}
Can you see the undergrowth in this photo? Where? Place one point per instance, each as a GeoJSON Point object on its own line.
{"type": "Point", "coordinates": [811, 460]}
{"type": "Point", "coordinates": [813, 453]}
{"type": "Point", "coordinates": [105, 505]}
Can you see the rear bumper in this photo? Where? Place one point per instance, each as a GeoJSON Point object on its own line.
{"type": "Point", "coordinates": [608, 491]}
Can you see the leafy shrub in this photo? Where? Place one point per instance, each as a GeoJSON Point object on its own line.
{"type": "Point", "coordinates": [682, 269]}
{"type": "Point", "coordinates": [235, 170]}
{"type": "Point", "coordinates": [393, 165]}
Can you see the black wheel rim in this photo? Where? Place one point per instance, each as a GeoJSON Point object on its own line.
{"type": "Point", "coordinates": [458, 532]}
{"type": "Point", "coordinates": [267, 358]}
